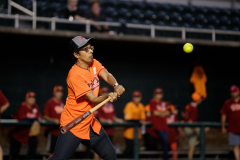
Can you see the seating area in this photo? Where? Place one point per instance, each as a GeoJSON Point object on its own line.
{"type": "Point", "coordinates": [140, 12]}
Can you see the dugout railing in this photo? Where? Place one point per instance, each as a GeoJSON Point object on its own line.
{"type": "Point", "coordinates": [201, 125]}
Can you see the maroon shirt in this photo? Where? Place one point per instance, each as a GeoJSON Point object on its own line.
{"type": "Point", "coordinates": [158, 123]}
{"type": "Point", "coordinates": [20, 133]}
{"type": "Point", "coordinates": [3, 101]}
{"type": "Point", "coordinates": [107, 111]}
{"type": "Point", "coordinates": [53, 109]}
{"type": "Point", "coordinates": [232, 110]}
{"type": "Point", "coordinates": [172, 131]}
{"type": "Point", "coordinates": [191, 112]}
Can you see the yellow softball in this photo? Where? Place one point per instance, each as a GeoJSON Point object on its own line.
{"type": "Point", "coordinates": [188, 48]}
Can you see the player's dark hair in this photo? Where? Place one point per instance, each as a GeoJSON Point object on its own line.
{"type": "Point", "coordinates": [73, 57]}
{"type": "Point", "coordinates": [94, 1]}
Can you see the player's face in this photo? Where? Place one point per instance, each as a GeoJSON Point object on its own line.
{"type": "Point", "coordinates": [158, 96]}
{"type": "Point", "coordinates": [136, 99]}
{"type": "Point", "coordinates": [86, 54]}
{"type": "Point", "coordinates": [73, 3]}
{"type": "Point", "coordinates": [235, 94]}
{"type": "Point", "coordinates": [31, 101]}
{"type": "Point", "coordinates": [96, 8]}
{"type": "Point", "coordinates": [58, 95]}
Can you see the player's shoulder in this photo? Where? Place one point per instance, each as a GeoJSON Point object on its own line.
{"type": "Point", "coordinates": [23, 104]}
{"type": "Point", "coordinates": [229, 101]}
{"type": "Point", "coordinates": [95, 62]}
{"type": "Point", "coordinates": [141, 105]}
{"type": "Point", "coordinates": [49, 101]}
{"type": "Point", "coordinates": [129, 104]}
{"type": "Point", "coordinates": [35, 106]}
{"type": "Point", "coordinates": [75, 72]}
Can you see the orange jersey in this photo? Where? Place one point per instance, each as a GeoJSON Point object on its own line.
{"type": "Point", "coordinates": [81, 81]}
{"type": "Point", "coordinates": [133, 112]}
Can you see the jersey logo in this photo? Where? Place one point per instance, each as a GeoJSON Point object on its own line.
{"type": "Point", "coordinates": [171, 119]}
{"type": "Point", "coordinates": [95, 84]}
{"type": "Point", "coordinates": [161, 107]}
{"type": "Point", "coordinates": [34, 110]}
{"type": "Point", "coordinates": [235, 107]}
{"type": "Point", "coordinates": [108, 108]}
{"type": "Point", "coordinates": [58, 109]}
{"type": "Point", "coordinates": [94, 70]}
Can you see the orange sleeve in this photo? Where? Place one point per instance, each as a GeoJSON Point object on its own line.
{"type": "Point", "coordinates": [147, 108]}
{"type": "Point", "coordinates": [99, 67]}
{"type": "Point", "coordinates": [79, 86]}
{"type": "Point", "coordinates": [143, 115]}
{"type": "Point", "coordinates": [127, 112]}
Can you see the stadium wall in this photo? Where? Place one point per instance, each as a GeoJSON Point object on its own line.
{"type": "Point", "coordinates": [30, 62]}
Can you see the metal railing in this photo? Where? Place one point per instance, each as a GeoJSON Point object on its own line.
{"type": "Point", "coordinates": [33, 13]}
{"type": "Point", "coordinates": [87, 23]}
{"type": "Point", "coordinates": [202, 125]}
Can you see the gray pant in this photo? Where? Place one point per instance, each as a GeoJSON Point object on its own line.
{"type": "Point", "coordinates": [68, 142]}
{"type": "Point", "coordinates": [234, 139]}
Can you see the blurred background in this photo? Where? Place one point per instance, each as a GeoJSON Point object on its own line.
{"type": "Point", "coordinates": [139, 41]}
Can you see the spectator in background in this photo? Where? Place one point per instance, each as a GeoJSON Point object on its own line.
{"type": "Point", "coordinates": [133, 111]}
{"type": "Point", "coordinates": [231, 111]}
{"type": "Point", "coordinates": [96, 15]}
{"type": "Point", "coordinates": [199, 79]}
{"type": "Point", "coordinates": [72, 12]}
{"type": "Point", "coordinates": [173, 131]}
{"type": "Point", "coordinates": [107, 114]}
{"type": "Point", "coordinates": [159, 120]}
{"type": "Point", "coordinates": [52, 112]}
{"type": "Point", "coordinates": [150, 138]}
{"type": "Point", "coordinates": [4, 104]}
{"type": "Point", "coordinates": [190, 114]}
{"type": "Point", "coordinates": [19, 135]}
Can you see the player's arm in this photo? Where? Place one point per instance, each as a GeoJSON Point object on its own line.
{"type": "Point", "coordinates": [118, 120]}
{"type": "Point", "coordinates": [96, 100]}
{"type": "Point", "coordinates": [108, 77]}
{"type": "Point", "coordinates": [48, 118]}
{"type": "Point", "coordinates": [223, 122]}
{"type": "Point", "coordinates": [4, 107]}
{"type": "Point", "coordinates": [105, 120]}
{"type": "Point", "coordinates": [161, 113]}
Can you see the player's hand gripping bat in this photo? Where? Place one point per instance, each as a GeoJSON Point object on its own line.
{"type": "Point", "coordinates": [80, 118]}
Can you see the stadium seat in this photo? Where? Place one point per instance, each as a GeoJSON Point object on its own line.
{"type": "Point", "coordinates": [110, 11]}
{"type": "Point", "coordinates": [173, 24]}
{"type": "Point", "coordinates": [188, 18]}
{"type": "Point", "coordinates": [225, 21]}
{"type": "Point", "coordinates": [200, 19]}
{"type": "Point", "coordinates": [109, 3]}
{"type": "Point", "coordinates": [235, 29]}
{"type": "Point", "coordinates": [199, 26]}
{"type": "Point", "coordinates": [235, 21]}
{"type": "Point", "coordinates": [150, 15]}
{"type": "Point", "coordinates": [212, 20]}
{"type": "Point", "coordinates": [147, 22]}
{"type": "Point", "coordinates": [136, 14]}
{"type": "Point", "coordinates": [137, 5]}
{"type": "Point", "coordinates": [123, 13]}
{"type": "Point", "coordinates": [210, 27]}
{"type": "Point", "coordinates": [121, 20]}
{"type": "Point", "coordinates": [123, 4]}
{"type": "Point", "coordinates": [186, 25]}
{"type": "Point", "coordinates": [160, 23]}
